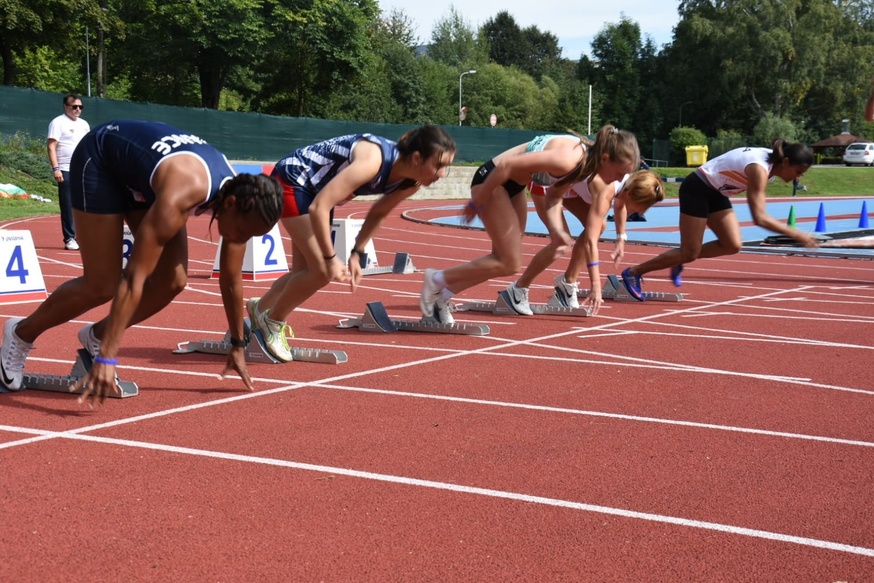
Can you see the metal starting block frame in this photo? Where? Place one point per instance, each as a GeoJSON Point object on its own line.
{"type": "Point", "coordinates": [503, 307]}
{"type": "Point", "coordinates": [403, 265]}
{"type": "Point", "coordinates": [615, 290]}
{"type": "Point", "coordinates": [256, 352]}
{"type": "Point", "coordinates": [376, 319]}
{"type": "Point", "coordinates": [63, 383]}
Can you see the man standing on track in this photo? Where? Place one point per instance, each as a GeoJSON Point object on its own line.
{"type": "Point", "coordinates": [65, 131]}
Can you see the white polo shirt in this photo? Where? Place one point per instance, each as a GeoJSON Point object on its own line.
{"type": "Point", "coordinates": [67, 132]}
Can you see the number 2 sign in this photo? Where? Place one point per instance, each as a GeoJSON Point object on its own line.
{"type": "Point", "coordinates": [21, 277]}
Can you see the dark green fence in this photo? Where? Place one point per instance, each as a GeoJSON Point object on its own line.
{"type": "Point", "coordinates": [240, 136]}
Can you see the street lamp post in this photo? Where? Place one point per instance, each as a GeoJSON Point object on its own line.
{"type": "Point", "coordinates": [681, 111]}
{"type": "Point", "coordinates": [460, 77]}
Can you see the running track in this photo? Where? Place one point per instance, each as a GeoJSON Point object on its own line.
{"type": "Point", "coordinates": [728, 437]}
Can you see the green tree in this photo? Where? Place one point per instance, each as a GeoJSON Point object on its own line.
{"type": "Point", "coordinates": [617, 50]}
{"type": "Point", "coordinates": [455, 43]}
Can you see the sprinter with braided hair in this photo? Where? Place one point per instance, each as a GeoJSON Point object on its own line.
{"type": "Point", "coordinates": [153, 177]}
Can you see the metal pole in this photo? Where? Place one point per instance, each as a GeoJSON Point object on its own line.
{"type": "Point", "coordinates": [88, 61]}
{"type": "Point", "coordinates": [589, 131]}
{"type": "Point", "coordinates": [459, 93]}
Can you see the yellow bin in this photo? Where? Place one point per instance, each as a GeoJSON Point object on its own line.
{"type": "Point", "coordinates": [696, 155]}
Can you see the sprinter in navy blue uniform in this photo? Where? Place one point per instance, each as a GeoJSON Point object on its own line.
{"type": "Point", "coordinates": [153, 177]}
{"type": "Point", "coordinates": [319, 177]}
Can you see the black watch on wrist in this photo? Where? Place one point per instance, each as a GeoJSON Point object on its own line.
{"type": "Point", "coordinates": [238, 342]}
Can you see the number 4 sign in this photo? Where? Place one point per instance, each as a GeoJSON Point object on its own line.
{"type": "Point", "coordinates": [264, 259]}
{"type": "Point", "coordinates": [21, 279]}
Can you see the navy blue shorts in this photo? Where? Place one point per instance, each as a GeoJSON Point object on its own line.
{"type": "Point", "coordinates": [699, 199]}
{"type": "Point", "coordinates": [94, 188]}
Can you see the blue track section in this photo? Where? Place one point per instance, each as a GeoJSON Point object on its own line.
{"type": "Point", "coordinates": [662, 222]}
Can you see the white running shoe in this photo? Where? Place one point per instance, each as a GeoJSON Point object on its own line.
{"type": "Point", "coordinates": [252, 309]}
{"type": "Point", "coordinates": [443, 311]}
{"type": "Point", "coordinates": [429, 296]}
{"type": "Point", "coordinates": [566, 293]}
{"type": "Point", "coordinates": [71, 245]}
{"type": "Point", "coordinates": [88, 341]}
{"type": "Point", "coordinates": [519, 299]}
{"type": "Point", "coordinates": [274, 334]}
{"type": "Point", "coordinates": [13, 353]}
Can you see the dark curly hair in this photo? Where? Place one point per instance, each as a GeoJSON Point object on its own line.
{"type": "Point", "coordinates": [255, 193]}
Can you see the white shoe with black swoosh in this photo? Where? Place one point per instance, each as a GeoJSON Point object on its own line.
{"type": "Point", "coordinates": [13, 354]}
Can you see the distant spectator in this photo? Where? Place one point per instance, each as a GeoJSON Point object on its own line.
{"type": "Point", "coordinates": [65, 131]}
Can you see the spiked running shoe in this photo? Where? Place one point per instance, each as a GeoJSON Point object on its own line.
{"type": "Point", "coordinates": [13, 354]}
{"type": "Point", "coordinates": [519, 299]}
{"type": "Point", "coordinates": [275, 335]}
{"type": "Point", "coordinates": [429, 296]}
{"type": "Point", "coordinates": [676, 270]}
{"type": "Point", "coordinates": [252, 309]}
{"type": "Point", "coordinates": [443, 311]}
{"type": "Point", "coordinates": [632, 284]}
{"type": "Point", "coordinates": [88, 340]}
{"type": "Point", "coordinates": [566, 293]}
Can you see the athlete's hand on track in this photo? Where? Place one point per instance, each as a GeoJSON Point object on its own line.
{"type": "Point", "coordinates": [98, 384]}
{"type": "Point", "coordinates": [594, 301]}
{"type": "Point", "coordinates": [237, 362]}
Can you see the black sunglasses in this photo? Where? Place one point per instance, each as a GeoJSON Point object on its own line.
{"type": "Point", "coordinates": [76, 106]}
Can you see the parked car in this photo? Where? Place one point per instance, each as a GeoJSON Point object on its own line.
{"type": "Point", "coordinates": [859, 153]}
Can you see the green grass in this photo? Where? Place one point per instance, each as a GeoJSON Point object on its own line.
{"type": "Point", "coordinates": [819, 180]}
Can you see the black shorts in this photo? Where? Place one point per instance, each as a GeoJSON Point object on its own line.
{"type": "Point", "coordinates": [699, 199]}
{"type": "Point", "coordinates": [511, 186]}
{"type": "Point", "coordinates": [94, 188]}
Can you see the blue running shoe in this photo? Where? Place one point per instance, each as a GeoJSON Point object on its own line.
{"type": "Point", "coordinates": [675, 275]}
{"type": "Point", "coordinates": [632, 284]}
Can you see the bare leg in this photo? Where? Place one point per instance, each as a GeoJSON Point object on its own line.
{"type": "Point", "coordinates": [723, 223]}
{"type": "Point", "coordinates": [100, 240]}
{"type": "Point", "coordinates": [504, 219]}
{"type": "Point", "coordinates": [309, 274]}
{"type": "Point", "coordinates": [543, 258]}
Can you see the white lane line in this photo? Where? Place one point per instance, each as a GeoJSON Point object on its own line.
{"type": "Point", "coordinates": [488, 492]}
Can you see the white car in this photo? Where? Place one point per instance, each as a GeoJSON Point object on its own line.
{"type": "Point", "coordinates": [859, 153]}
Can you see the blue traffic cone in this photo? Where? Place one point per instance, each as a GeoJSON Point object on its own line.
{"type": "Point", "coordinates": [820, 219]}
{"type": "Point", "coordinates": [863, 216]}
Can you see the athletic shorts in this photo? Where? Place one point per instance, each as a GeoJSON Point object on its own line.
{"type": "Point", "coordinates": [296, 200]}
{"type": "Point", "coordinates": [699, 199]}
{"type": "Point", "coordinates": [93, 189]}
{"type": "Point", "coordinates": [511, 186]}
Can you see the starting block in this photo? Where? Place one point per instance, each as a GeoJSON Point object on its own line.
{"type": "Point", "coordinates": [403, 265]}
{"type": "Point", "coordinates": [376, 319]}
{"type": "Point", "coordinates": [614, 290]}
{"type": "Point", "coordinates": [503, 307]}
{"type": "Point", "coordinates": [63, 383]}
{"type": "Point", "coordinates": [256, 352]}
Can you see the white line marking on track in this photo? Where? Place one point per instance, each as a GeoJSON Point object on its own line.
{"type": "Point", "coordinates": [460, 488]}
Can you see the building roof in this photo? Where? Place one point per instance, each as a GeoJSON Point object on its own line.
{"type": "Point", "coordinates": [839, 141]}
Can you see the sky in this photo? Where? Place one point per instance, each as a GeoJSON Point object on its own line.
{"type": "Point", "coordinates": [574, 23]}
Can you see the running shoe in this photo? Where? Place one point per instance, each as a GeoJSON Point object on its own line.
{"type": "Point", "coordinates": [252, 309]}
{"type": "Point", "coordinates": [275, 335]}
{"type": "Point", "coordinates": [71, 245]}
{"type": "Point", "coordinates": [565, 293]}
{"type": "Point", "coordinates": [442, 311]}
{"type": "Point", "coordinates": [632, 284]}
{"type": "Point", "coordinates": [88, 341]}
{"type": "Point", "coordinates": [430, 294]}
{"type": "Point", "coordinates": [13, 353]}
{"type": "Point", "coordinates": [519, 299]}
{"type": "Point", "coordinates": [676, 270]}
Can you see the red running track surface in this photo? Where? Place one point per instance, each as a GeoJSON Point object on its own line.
{"type": "Point", "coordinates": [728, 437]}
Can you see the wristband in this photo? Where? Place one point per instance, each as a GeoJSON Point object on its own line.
{"type": "Point", "coordinates": [238, 342]}
{"type": "Point", "coordinates": [56, 168]}
{"type": "Point", "coordinates": [102, 360]}
{"type": "Point", "coordinates": [593, 264]}
{"type": "Point", "coordinates": [622, 237]}
{"type": "Point", "coordinates": [327, 258]}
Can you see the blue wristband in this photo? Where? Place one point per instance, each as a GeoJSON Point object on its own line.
{"type": "Point", "coordinates": [594, 264]}
{"type": "Point", "coordinates": [101, 360]}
